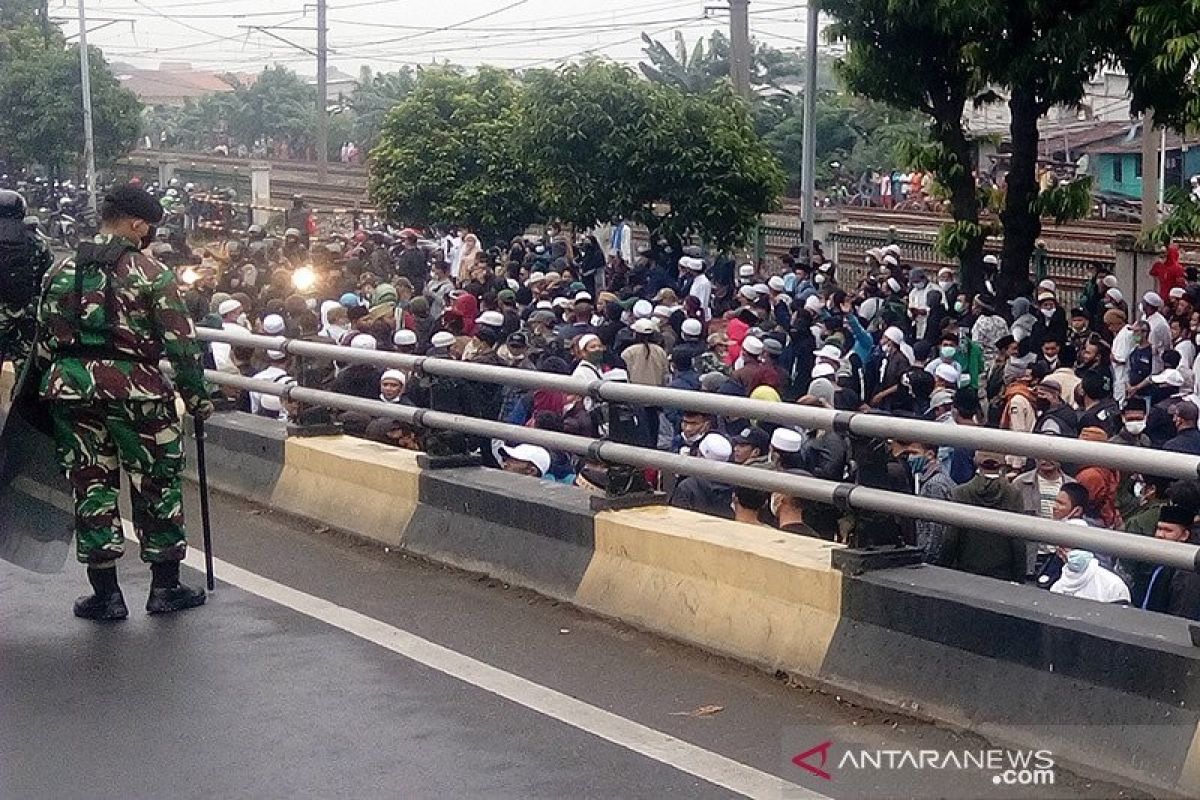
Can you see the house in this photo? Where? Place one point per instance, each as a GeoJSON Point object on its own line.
{"type": "Point", "coordinates": [173, 84]}
{"type": "Point", "coordinates": [1117, 165]}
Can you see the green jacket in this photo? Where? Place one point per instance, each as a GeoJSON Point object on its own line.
{"type": "Point", "coordinates": [982, 552]}
{"type": "Point", "coordinates": [107, 343]}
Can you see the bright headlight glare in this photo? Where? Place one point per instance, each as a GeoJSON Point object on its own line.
{"type": "Point", "coordinates": [304, 279]}
{"type": "Point", "coordinates": [189, 276]}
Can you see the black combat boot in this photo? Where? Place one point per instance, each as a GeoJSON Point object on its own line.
{"type": "Point", "coordinates": [167, 594]}
{"type": "Point", "coordinates": [106, 604]}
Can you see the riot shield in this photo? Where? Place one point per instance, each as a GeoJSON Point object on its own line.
{"type": "Point", "coordinates": [36, 517]}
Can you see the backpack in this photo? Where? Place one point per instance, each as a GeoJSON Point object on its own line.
{"type": "Point", "coordinates": [18, 278]}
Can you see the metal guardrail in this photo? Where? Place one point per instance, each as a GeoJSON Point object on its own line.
{"type": "Point", "coordinates": [840, 494]}
{"type": "Point", "coordinates": [870, 425]}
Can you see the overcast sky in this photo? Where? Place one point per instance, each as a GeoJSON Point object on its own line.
{"type": "Point", "coordinates": [387, 34]}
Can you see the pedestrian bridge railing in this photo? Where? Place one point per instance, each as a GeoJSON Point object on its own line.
{"type": "Point", "coordinates": [844, 495]}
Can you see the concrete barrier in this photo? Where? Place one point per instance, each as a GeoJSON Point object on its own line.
{"type": "Point", "coordinates": [1113, 690]}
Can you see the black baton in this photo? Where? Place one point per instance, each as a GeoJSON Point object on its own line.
{"type": "Point", "coordinates": [205, 522]}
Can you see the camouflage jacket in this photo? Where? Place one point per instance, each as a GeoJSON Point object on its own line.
{"type": "Point", "coordinates": [149, 321]}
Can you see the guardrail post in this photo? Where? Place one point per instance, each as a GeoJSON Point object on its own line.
{"type": "Point", "coordinates": [166, 169]}
{"type": "Point", "coordinates": [1039, 261]}
{"type": "Point", "coordinates": [260, 192]}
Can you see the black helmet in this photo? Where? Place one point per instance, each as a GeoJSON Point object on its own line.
{"type": "Point", "coordinates": [12, 205]}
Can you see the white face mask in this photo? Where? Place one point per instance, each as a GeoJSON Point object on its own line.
{"type": "Point", "coordinates": [1047, 312]}
{"type": "Point", "coordinates": [1136, 427]}
{"type": "Point", "coordinates": [944, 285]}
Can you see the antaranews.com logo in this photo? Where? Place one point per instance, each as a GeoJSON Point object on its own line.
{"type": "Point", "coordinates": [984, 768]}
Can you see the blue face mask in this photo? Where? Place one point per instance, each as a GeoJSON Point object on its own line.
{"type": "Point", "coordinates": [917, 463]}
{"type": "Point", "coordinates": [1077, 560]}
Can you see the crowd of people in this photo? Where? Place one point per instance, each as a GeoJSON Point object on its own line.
{"type": "Point", "coordinates": [901, 341]}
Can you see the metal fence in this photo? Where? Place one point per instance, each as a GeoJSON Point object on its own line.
{"type": "Point", "coordinates": [844, 495]}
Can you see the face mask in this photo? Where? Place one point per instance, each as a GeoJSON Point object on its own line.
{"type": "Point", "coordinates": [948, 352]}
{"type": "Point", "coordinates": [944, 285]}
{"type": "Point", "coordinates": [819, 279]}
{"type": "Point", "coordinates": [917, 463]}
{"type": "Point", "coordinates": [1047, 312]}
{"type": "Point", "coordinates": [1079, 327]}
{"type": "Point", "coordinates": [1078, 560]}
{"type": "Point", "coordinates": [920, 284]}
{"type": "Point", "coordinates": [594, 356]}
{"type": "Point", "coordinates": [775, 502]}
{"type": "Point", "coordinates": [1139, 489]}
{"type": "Point", "coordinates": [959, 307]}
{"type": "Point", "coordinates": [243, 320]}
{"type": "Point", "coordinates": [1136, 427]}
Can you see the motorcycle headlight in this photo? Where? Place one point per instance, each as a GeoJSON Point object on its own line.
{"type": "Point", "coordinates": [304, 279]}
{"type": "Point", "coordinates": [189, 276]}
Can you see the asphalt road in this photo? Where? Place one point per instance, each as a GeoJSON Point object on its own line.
{"type": "Point", "coordinates": [326, 668]}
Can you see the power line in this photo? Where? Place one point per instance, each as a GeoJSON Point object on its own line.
{"type": "Point", "coordinates": [450, 27]}
{"type": "Point", "coordinates": [592, 50]}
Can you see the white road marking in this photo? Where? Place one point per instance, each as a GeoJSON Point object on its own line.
{"type": "Point", "coordinates": [661, 747]}
{"type": "Point", "coordinates": [666, 749]}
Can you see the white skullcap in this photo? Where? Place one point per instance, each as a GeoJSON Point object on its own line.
{"type": "Point", "coordinates": [442, 339]}
{"type": "Point", "coordinates": [752, 345]}
{"type": "Point", "coordinates": [691, 328]}
{"type": "Point", "coordinates": [748, 292]}
{"type": "Point", "coordinates": [762, 289]}
{"type": "Point", "coordinates": [746, 270]}
{"type": "Point", "coordinates": [813, 303]}
{"type": "Point", "coordinates": [644, 326]}
{"type": "Point", "coordinates": [891, 260]}
{"type": "Point", "coordinates": [663, 311]}
{"type": "Point", "coordinates": [364, 341]}
{"type": "Point", "coordinates": [786, 440]}
{"type": "Point", "coordinates": [404, 338]}
{"type": "Point", "coordinates": [228, 307]}
{"type": "Point", "coordinates": [493, 319]}
{"type": "Point", "coordinates": [829, 351]}
{"type": "Point", "coordinates": [587, 339]}
{"type": "Point", "coordinates": [544, 305]}
{"type": "Point", "coordinates": [582, 296]}
{"type": "Point", "coordinates": [562, 302]}
{"type": "Point", "coordinates": [393, 375]}
{"type": "Point", "coordinates": [693, 264]}
{"type": "Point", "coordinates": [530, 454]}
{"type": "Point", "coordinates": [276, 355]}
{"type": "Point", "coordinates": [642, 309]}
{"type": "Point", "coordinates": [1048, 286]}
{"type": "Point", "coordinates": [948, 373]}
{"type": "Point", "coordinates": [273, 324]}
{"type": "Point", "coordinates": [537, 277]}
{"type": "Point", "coordinates": [1177, 293]}
{"type": "Point", "coordinates": [776, 283]}
{"type": "Point", "coordinates": [1149, 298]}
{"type": "Point", "coordinates": [1110, 281]}
{"type": "Point", "coordinates": [869, 308]}
{"type": "Point", "coordinates": [892, 248]}
{"type": "Point", "coordinates": [991, 259]}
{"type": "Point", "coordinates": [1115, 295]}
{"type": "Point", "coordinates": [715, 447]}
{"type": "Point", "coordinates": [823, 370]}
{"type": "Point", "coordinates": [894, 335]}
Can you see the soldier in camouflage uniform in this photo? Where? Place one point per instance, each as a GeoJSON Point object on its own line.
{"type": "Point", "coordinates": [24, 259]}
{"type": "Point", "coordinates": [107, 318]}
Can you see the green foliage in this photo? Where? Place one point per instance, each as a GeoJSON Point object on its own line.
{"type": "Point", "coordinates": [447, 154]}
{"type": "Point", "coordinates": [377, 93]}
{"type": "Point", "coordinates": [955, 238]}
{"type": "Point", "coordinates": [42, 100]}
{"type": "Point", "coordinates": [278, 104]}
{"type": "Point", "coordinates": [604, 144]}
{"type": "Point", "coordinates": [1183, 221]}
{"type": "Point", "coordinates": [1066, 201]}
{"type": "Point", "coordinates": [1164, 46]}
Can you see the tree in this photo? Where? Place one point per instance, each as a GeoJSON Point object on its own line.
{"type": "Point", "coordinates": [1042, 52]}
{"type": "Point", "coordinates": [604, 144]}
{"type": "Point", "coordinates": [448, 154]}
{"type": "Point", "coordinates": [42, 100]}
{"type": "Point", "coordinates": [377, 93]}
{"type": "Point", "coordinates": [917, 56]}
{"type": "Point", "coordinates": [279, 104]}
{"type": "Point", "coordinates": [1161, 57]}
{"type": "Point", "coordinates": [698, 72]}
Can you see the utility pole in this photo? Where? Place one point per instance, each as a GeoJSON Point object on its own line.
{"type": "Point", "coordinates": [808, 160]}
{"type": "Point", "coordinates": [85, 83]}
{"type": "Point", "coordinates": [45, 24]}
{"type": "Point", "coordinates": [322, 97]}
{"type": "Point", "coordinates": [740, 53]}
{"type": "Point", "coordinates": [1149, 173]}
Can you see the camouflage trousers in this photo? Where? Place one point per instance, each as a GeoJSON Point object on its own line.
{"type": "Point", "coordinates": [94, 440]}
{"type": "Point", "coordinates": [16, 336]}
